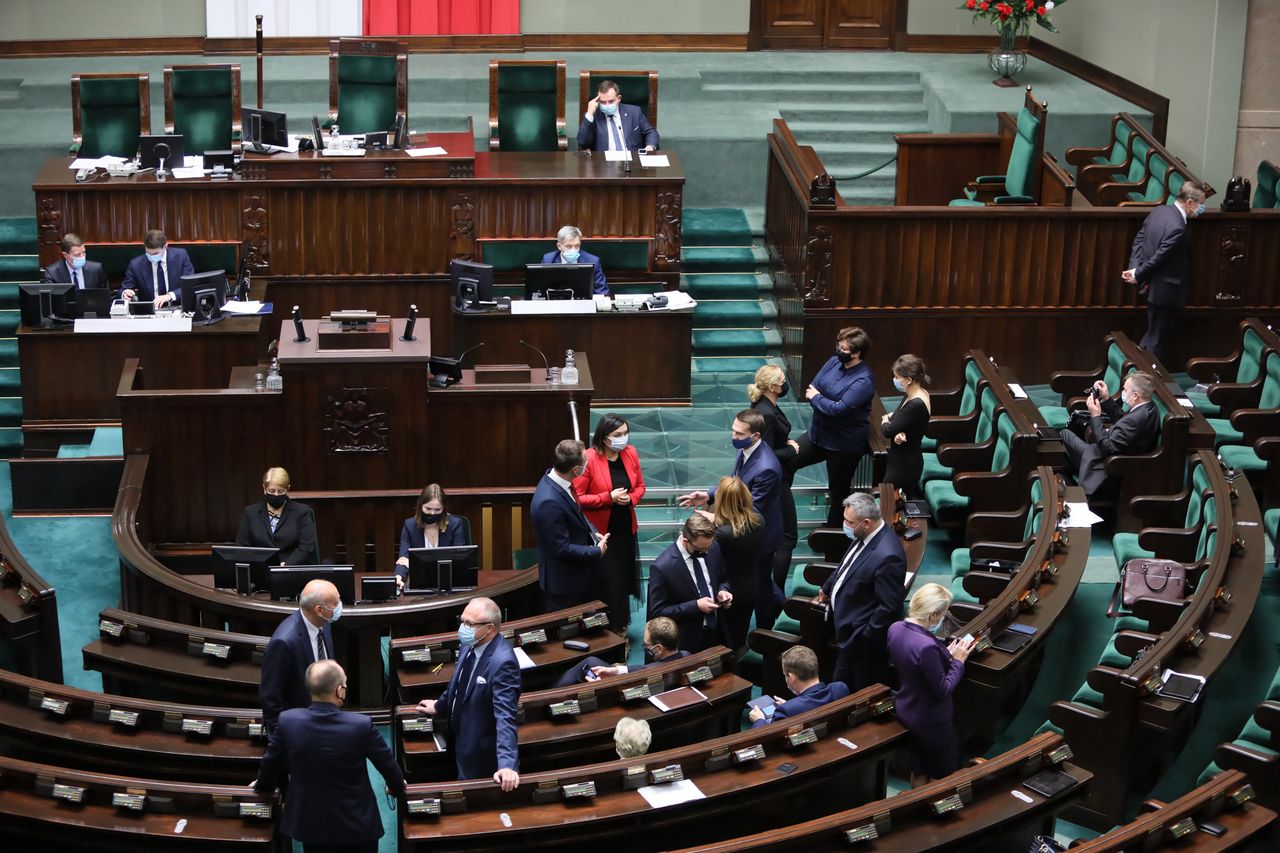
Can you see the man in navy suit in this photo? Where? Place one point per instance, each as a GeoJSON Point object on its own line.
{"type": "Point", "coordinates": [864, 595]}
{"type": "Point", "coordinates": [1132, 432]}
{"type": "Point", "coordinates": [322, 749]}
{"type": "Point", "coordinates": [1160, 263]}
{"type": "Point", "coordinates": [74, 268]}
{"type": "Point", "coordinates": [568, 546]}
{"type": "Point", "coordinates": [687, 584]}
{"type": "Point", "coordinates": [800, 671]}
{"type": "Point", "coordinates": [156, 274]}
{"type": "Point", "coordinates": [481, 699]}
{"type": "Point", "coordinates": [303, 637]}
{"type": "Point", "coordinates": [569, 251]}
{"type": "Point", "coordinates": [610, 125]}
{"type": "Point", "coordinates": [661, 643]}
{"type": "Point", "coordinates": [759, 469]}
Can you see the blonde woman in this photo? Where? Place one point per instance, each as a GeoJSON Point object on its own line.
{"type": "Point", "coordinates": [740, 534]}
{"type": "Point", "coordinates": [280, 523]}
{"type": "Point", "coordinates": [769, 386]}
{"type": "Point", "coordinates": [928, 673]}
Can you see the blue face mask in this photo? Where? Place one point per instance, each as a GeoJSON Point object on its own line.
{"type": "Point", "coordinates": [155, 259]}
{"type": "Point", "coordinates": [570, 255]}
{"type": "Point", "coordinates": [618, 444]}
{"type": "Point", "coordinates": [743, 443]}
{"type": "Point", "coordinates": [467, 635]}
{"type": "Point", "coordinates": [850, 531]}
{"type": "Point", "coordinates": [609, 109]}
{"type": "Point", "coordinates": [78, 263]}
{"type": "Point", "coordinates": [933, 629]}
{"type": "Point", "coordinates": [337, 613]}
{"type": "Point", "coordinates": [1200, 209]}
{"type": "Point", "coordinates": [897, 383]}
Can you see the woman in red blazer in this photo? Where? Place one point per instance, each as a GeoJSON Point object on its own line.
{"type": "Point", "coordinates": [608, 490]}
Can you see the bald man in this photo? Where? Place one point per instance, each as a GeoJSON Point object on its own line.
{"type": "Point", "coordinates": [481, 699]}
{"type": "Point", "coordinates": [322, 750]}
{"type": "Point", "coordinates": [304, 636]}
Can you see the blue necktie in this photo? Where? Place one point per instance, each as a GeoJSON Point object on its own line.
{"type": "Point", "coordinates": [464, 679]}
{"type": "Point", "coordinates": [700, 579]}
{"type": "Point", "coordinates": [614, 134]}
{"type": "Point", "coordinates": [75, 278]}
{"type": "Point", "coordinates": [737, 467]}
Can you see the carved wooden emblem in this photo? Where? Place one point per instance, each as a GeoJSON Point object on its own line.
{"type": "Point", "coordinates": [462, 226]}
{"type": "Point", "coordinates": [818, 266]}
{"type": "Point", "coordinates": [326, 170]}
{"type": "Point", "coordinates": [666, 229]}
{"type": "Point", "coordinates": [1233, 254]}
{"type": "Point", "coordinates": [388, 170]}
{"type": "Point", "coordinates": [48, 221]}
{"type": "Point", "coordinates": [253, 224]}
{"type": "Point", "coordinates": [822, 192]}
{"type": "Point", "coordinates": [356, 420]}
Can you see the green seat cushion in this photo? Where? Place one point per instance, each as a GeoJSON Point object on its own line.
{"type": "Point", "coordinates": [787, 625]}
{"type": "Point", "coordinates": [959, 562]}
{"type": "Point", "coordinates": [110, 117]}
{"type": "Point", "coordinates": [527, 108]}
{"type": "Point", "coordinates": [928, 443]}
{"type": "Point", "coordinates": [1086, 695]}
{"type": "Point", "coordinates": [1242, 457]}
{"type": "Point", "coordinates": [1208, 773]}
{"type": "Point", "coordinates": [1224, 432]}
{"type": "Point", "coordinates": [1131, 623]}
{"type": "Point", "coordinates": [1111, 656]}
{"type": "Point", "coordinates": [959, 593]}
{"type": "Point", "coordinates": [942, 497]}
{"type": "Point", "coordinates": [1256, 736]}
{"type": "Point", "coordinates": [202, 108]}
{"type": "Point", "coordinates": [965, 202]}
{"type": "Point", "coordinates": [1200, 400]}
{"type": "Point", "coordinates": [1047, 726]}
{"type": "Point", "coordinates": [933, 469]}
{"type": "Point", "coordinates": [1127, 548]}
{"type": "Point", "coordinates": [802, 588]}
{"type": "Point", "coordinates": [1055, 416]}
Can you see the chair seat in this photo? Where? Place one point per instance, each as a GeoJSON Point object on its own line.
{"type": "Point", "coordinates": [787, 625]}
{"type": "Point", "coordinates": [1200, 400]}
{"type": "Point", "coordinates": [928, 442]}
{"type": "Point", "coordinates": [959, 562]}
{"type": "Point", "coordinates": [1113, 657]}
{"type": "Point", "coordinates": [1256, 736]}
{"type": "Point", "coordinates": [942, 497]}
{"type": "Point", "coordinates": [1086, 695]}
{"type": "Point", "coordinates": [1242, 457]}
{"type": "Point", "coordinates": [959, 593]}
{"type": "Point", "coordinates": [1208, 773]}
{"type": "Point", "coordinates": [1126, 548]}
{"type": "Point", "coordinates": [1055, 416]}
{"type": "Point", "coordinates": [933, 469]}
{"type": "Point", "coordinates": [965, 202]}
{"type": "Point", "coordinates": [1224, 432]}
{"type": "Point", "coordinates": [1047, 726]}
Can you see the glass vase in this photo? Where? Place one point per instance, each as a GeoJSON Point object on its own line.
{"type": "Point", "coordinates": [1007, 60]}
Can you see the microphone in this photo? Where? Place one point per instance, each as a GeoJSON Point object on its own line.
{"type": "Point", "coordinates": [444, 369]}
{"type": "Point", "coordinates": [468, 350]}
{"type": "Point", "coordinates": [545, 363]}
{"type": "Point", "coordinates": [300, 336]}
{"type": "Point", "coordinates": [408, 327]}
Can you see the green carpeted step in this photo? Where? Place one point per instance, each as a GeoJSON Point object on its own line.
{"type": "Point", "coordinates": [733, 314]}
{"type": "Point", "coordinates": [727, 364]}
{"type": "Point", "coordinates": [8, 352]}
{"type": "Point", "coordinates": [9, 320]}
{"type": "Point", "coordinates": [10, 411]}
{"type": "Point", "coordinates": [719, 259]}
{"type": "Point", "coordinates": [715, 226]}
{"type": "Point", "coordinates": [735, 342]}
{"type": "Point", "coordinates": [18, 235]}
{"type": "Point", "coordinates": [19, 268]}
{"type": "Point", "coordinates": [10, 442]}
{"type": "Point", "coordinates": [9, 295]}
{"type": "Point", "coordinates": [723, 286]}
{"type": "Point", "coordinates": [10, 382]}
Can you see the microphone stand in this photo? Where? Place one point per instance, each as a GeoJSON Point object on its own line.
{"type": "Point", "coordinates": [545, 363]}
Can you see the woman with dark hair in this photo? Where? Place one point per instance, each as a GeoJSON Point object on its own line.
{"type": "Point", "coordinates": [608, 490]}
{"type": "Point", "coordinates": [905, 427]}
{"type": "Point", "coordinates": [430, 527]}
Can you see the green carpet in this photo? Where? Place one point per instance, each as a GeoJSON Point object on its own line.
{"type": "Point", "coordinates": [19, 268]}
{"type": "Point", "coordinates": [722, 259]}
{"type": "Point", "coordinates": [735, 341]}
{"type": "Point", "coordinates": [722, 286]}
{"type": "Point", "coordinates": [735, 313]}
{"type": "Point", "coordinates": [716, 226]}
{"type": "Point", "coordinates": [8, 295]}
{"type": "Point", "coordinates": [17, 235]}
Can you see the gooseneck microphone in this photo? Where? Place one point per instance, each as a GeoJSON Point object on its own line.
{"type": "Point", "coordinates": [545, 363]}
{"type": "Point", "coordinates": [300, 336]}
{"type": "Point", "coordinates": [408, 327]}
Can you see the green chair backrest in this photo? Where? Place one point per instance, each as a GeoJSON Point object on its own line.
{"type": "Point", "coordinates": [969, 396]}
{"type": "Point", "coordinates": [1208, 536]}
{"type": "Point", "coordinates": [1175, 184]}
{"type": "Point", "coordinates": [1270, 397]}
{"type": "Point", "coordinates": [1119, 144]}
{"type": "Point", "coordinates": [110, 117]}
{"type": "Point", "coordinates": [366, 93]}
{"type": "Point", "coordinates": [511, 255]}
{"type": "Point", "coordinates": [986, 417]}
{"type": "Point", "coordinates": [1004, 441]}
{"type": "Point", "coordinates": [1250, 357]}
{"type": "Point", "coordinates": [1017, 177]}
{"type": "Point", "coordinates": [1138, 165]}
{"type": "Point", "coordinates": [1033, 517]}
{"type": "Point", "coordinates": [1199, 480]}
{"type": "Point", "coordinates": [1115, 363]}
{"type": "Point", "coordinates": [115, 257]}
{"type": "Point", "coordinates": [1195, 508]}
{"type": "Point", "coordinates": [527, 108]}
{"type": "Point", "coordinates": [202, 108]}
{"type": "Point", "coordinates": [632, 88]}
{"type": "Point", "coordinates": [1155, 191]}
{"type": "Point", "coordinates": [1266, 190]}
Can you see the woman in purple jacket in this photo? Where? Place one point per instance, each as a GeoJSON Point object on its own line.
{"type": "Point", "coordinates": [928, 673]}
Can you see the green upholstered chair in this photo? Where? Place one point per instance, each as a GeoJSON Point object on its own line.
{"type": "Point", "coordinates": [368, 84]}
{"type": "Point", "coordinates": [933, 468]}
{"type": "Point", "coordinates": [526, 105]}
{"type": "Point", "coordinates": [1248, 369]}
{"type": "Point", "coordinates": [1020, 184]}
{"type": "Point", "coordinates": [1126, 546]}
{"type": "Point", "coordinates": [202, 102]}
{"type": "Point", "coordinates": [108, 113]}
{"type": "Point", "coordinates": [945, 503]}
{"type": "Point", "coordinates": [1095, 166]}
{"type": "Point", "coordinates": [1244, 456]}
{"type": "Point", "coordinates": [205, 255]}
{"type": "Point", "coordinates": [1060, 416]}
{"type": "Point", "coordinates": [961, 557]}
{"type": "Point", "coordinates": [1155, 190]}
{"type": "Point", "coordinates": [638, 88]}
{"type": "Point", "coordinates": [1266, 189]}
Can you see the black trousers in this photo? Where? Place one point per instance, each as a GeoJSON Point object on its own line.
{"type": "Point", "coordinates": [1161, 327]}
{"type": "Point", "coordinates": [861, 665]}
{"type": "Point", "coordinates": [841, 467]}
{"type": "Point", "coordinates": [1073, 447]}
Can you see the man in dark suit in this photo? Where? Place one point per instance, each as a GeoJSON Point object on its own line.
{"type": "Point", "coordinates": [569, 251]}
{"type": "Point", "coordinates": [322, 749]}
{"type": "Point", "coordinates": [74, 268]}
{"type": "Point", "coordinates": [687, 584]}
{"type": "Point", "coordinates": [864, 595]}
{"type": "Point", "coordinates": [1160, 262]}
{"type": "Point", "coordinates": [1131, 432]}
{"type": "Point", "coordinates": [568, 546]}
{"type": "Point", "coordinates": [481, 699]}
{"type": "Point", "coordinates": [800, 671]}
{"type": "Point", "coordinates": [610, 125]}
{"type": "Point", "coordinates": [303, 637]}
{"type": "Point", "coordinates": [157, 273]}
{"type": "Point", "coordinates": [661, 643]}
{"type": "Point", "coordinates": [758, 467]}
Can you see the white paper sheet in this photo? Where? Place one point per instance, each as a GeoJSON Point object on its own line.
{"type": "Point", "coordinates": [248, 307]}
{"type": "Point", "coordinates": [522, 657]}
{"type": "Point", "coordinates": [96, 162]}
{"type": "Point", "coordinates": [654, 161]}
{"type": "Point", "coordinates": [620, 156]}
{"type": "Point", "coordinates": [433, 151]}
{"type": "Point", "coordinates": [671, 793]}
{"type": "Point", "coordinates": [343, 152]}
{"type": "Point", "coordinates": [1016, 390]}
{"type": "Point", "coordinates": [185, 173]}
{"type": "Point", "coordinates": [1081, 515]}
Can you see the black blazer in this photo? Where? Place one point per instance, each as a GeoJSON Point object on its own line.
{"type": "Point", "coordinates": [672, 593]}
{"type": "Point", "coordinates": [1161, 257]}
{"type": "Point", "coordinates": [1134, 432]}
{"type": "Point", "coordinates": [740, 554]}
{"type": "Point", "coordinates": [777, 429]}
{"type": "Point", "coordinates": [295, 536]}
{"type": "Point", "coordinates": [413, 536]}
{"type": "Point", "coordinates": [283, 683]}
{"type": "Point", "coordinates": [871, 596]}
{"type": "Point", "coordinates": [138, 275]}
{"type": "Point", "coordinates": [91, 277]}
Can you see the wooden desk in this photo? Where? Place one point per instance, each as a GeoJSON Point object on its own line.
{"type": "Point", "coordinates": [640, 357]}
{"type": "Point", "coordinates": [384, 214]}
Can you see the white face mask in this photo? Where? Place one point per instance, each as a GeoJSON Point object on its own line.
{"type": "Point", "coordinates": [619, 443]}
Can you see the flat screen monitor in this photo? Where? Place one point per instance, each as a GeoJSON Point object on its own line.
{"type": "Point", "coordinates": [558, 281]}
{"type": "Point", "coordinates": [242, 568]}
{"type": "Point", "coordinates": [443, 569]}
{"type": "Point", "coordinates": [264, 127]}
{"type": "Point", "coordinates": [288, 581]}
{"type": "Point", "coordinates": [472, 285]}
{"type": "Point", "coordinates": [166, 147]}
{"type": "Point", "coordinates": [378, 588]}
{"type": "Point", "coordinates": [46, 305]}
{"type": "Point", "coordinates": [94, 302]}
{"type": "Point", "coordinates": [203, 295]}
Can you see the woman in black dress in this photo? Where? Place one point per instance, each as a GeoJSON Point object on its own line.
{"type": "Point", "coordinates": [905, 427]}
{"type": "Point", "coordinates": [771, 384]}
{"type": "Point", "coordinates": [740, 532]}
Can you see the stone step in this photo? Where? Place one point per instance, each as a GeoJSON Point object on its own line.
{"type": "Point", "coordinates": [820, 80]}
{"type": "Point", "coordinates": [803, 93]}
{"type": "Point", "coordinates": [906, 112]}
{"type": "Point", "coordinates": [821, 133]}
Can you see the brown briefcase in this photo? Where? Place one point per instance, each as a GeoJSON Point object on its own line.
{"type": "Point", "coordinates": [1147, 578]}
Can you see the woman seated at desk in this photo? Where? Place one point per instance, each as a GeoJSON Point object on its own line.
{"type": "Point", "coordinates": [277, 522]}
{"type": "Point", "coordinates": [430, 527]}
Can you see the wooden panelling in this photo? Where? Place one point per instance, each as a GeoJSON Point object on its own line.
{"type": "Point", "coordinates": [815, 24]}
{"type": "Point", "coordinates": [860, 23]}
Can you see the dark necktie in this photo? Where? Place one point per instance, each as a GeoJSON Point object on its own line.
{"type": "Point", "coordinates": [700, 579]}
{"type": "Point", "coordinates": [75, 278]}
{"type": "Point", "coordinates": [845, 567]}
{"type": "Point", "coordinates": [737, 466]}
{"type": "Point", "coordinates": [464, 679]}
{"type": "Point", "coordinates": [161, 281]}
{"type": "Point", "coordinates": [321, 654]}
{"type": "Point", "coordinates": [615, 134]}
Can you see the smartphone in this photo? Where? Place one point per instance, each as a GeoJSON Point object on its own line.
{"type": "Point", "coordinates": [591, 676]}
{"type": "Point", "coordinates": [967, 638]}
{"type": "Point", "coordinates": [912, 533]}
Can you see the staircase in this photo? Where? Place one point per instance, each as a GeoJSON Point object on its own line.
{"type": "Point", "coordinates": [18, 265]}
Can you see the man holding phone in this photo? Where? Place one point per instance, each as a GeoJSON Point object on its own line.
{"type": "Point", "coordinates": [687, 584]}
{"type": "Point", "coordinates": [610, 125]}
{"type": "Point", "coordinates": [800, 671]}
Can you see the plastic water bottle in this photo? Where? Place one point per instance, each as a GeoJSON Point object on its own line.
{"type": "Point", "coordinates": [333, 136]}
{"type": "Point", "coordinates": [274, 381]}
{"type": "Point", "coordinates": [569, 376]}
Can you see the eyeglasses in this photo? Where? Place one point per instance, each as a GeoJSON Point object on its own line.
{"type": "Point", "coordinates": [464, 622]}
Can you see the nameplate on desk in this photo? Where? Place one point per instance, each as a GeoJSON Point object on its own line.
{"type": "Point", "coordinates": [751, 753]}
{"type": "Point", "coordinates": [531, 638]}
{"type": "Point", "coordinates": [133, 325]}
{"type": "Point", "coordinates": [258, 810]}
{"type": "Point", "coordinates": [111, 629]}
{"type": "Point", "coordinates": [1182, 828]}
{"type": "Point", "coordinates": [54, 706]}
{"type": "Point", "coordinates": [550, 306]}
{"type": "Point", "coordinates": [132, 802]}
{"type": "Point", "coordinates": [867, 832]}
{"type": "Point", "coordinates": [947, 805]}
{"type": "Point", "coordinates": [1060, 754]}
{"type": "Point", "coordinates": [699, 675]}
{"type": "Point", "coordinates": [221, 651]}
{"type": "Point", "coordinates": [70, 793]}
{"type": "Point", "coordinates": [662, 775]}
{"type": "Point", "coordinates": [596, 620]}
{"type": "Point", "coordinates": [585, 789]}
{"type": "Point", "coordinates": [121, 717]}
{"type": "Point", "coordinates": [640, 691]}
{"type": "Point", "coordinates": [802, 737]}
{"type": "Point", "coordinates": [426, 807]}
{"type": "Point", "coordinates": [197, 727]}
{"type": "Point", "coordinates": [567, 708]}
{"type": "Point", "coordinates": [416, 655]}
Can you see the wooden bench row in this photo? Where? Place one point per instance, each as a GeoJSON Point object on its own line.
{"type": "Point", "coordinates": [1132, 169]}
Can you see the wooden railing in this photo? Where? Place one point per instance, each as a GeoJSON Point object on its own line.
{"type": "Point", "coordinates": [29, 612]}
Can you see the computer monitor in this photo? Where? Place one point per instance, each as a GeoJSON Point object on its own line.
{"type": "Point", "coordinates": [166, 147]}
{"type": "Point", "coordinates": [242, 568]}
{"type": "Point", "coordinates": [443, 569]}
{"type": "Point", "coordinates": [46, 305]}
{"type": "Point", "coordinates": [264, 127]}
{"type": "Point", "coordinates": [94, 302]}
{"type": "Point", "coordinates": [471, 284]}
{"type": "Point", "coordinates": [288, 581]}
{"type": "Point", "coordinates": [559, 281]}
{"type": "Point", "coordinates": [203, 295]}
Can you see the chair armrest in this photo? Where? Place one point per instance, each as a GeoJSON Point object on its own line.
{"type": "Point", "coordinates": [1014, 199]}
{"type": "Point", "coordinates": [1256, 423]}
{"type": "Point", "coordinates": [1112, 193]}
{"type": "Point", "coordinates": [1129, 643]}
{"type": "Point", "coordinates": [997, 528]}
{"type": "Point", "coordinates": [952, 428]}
{"type": "Point", "coordinates": [1268, 449]}
{"type": "Point", "coordinates": [1160, 510]}
{"type": "Point", "coordinates": [945, 402]}
{"type": "Point", "coordinates": [816, 574]}
{"type": "Point", "coordinates": [1233, 756]}
{"type": "Point", "coordinates": [986, 490]}
{"type": "Point", "coordinates": [1159, 614]}
{"type": "Point", "coordinates": [1204, 368]}
{"type": "Point", "coordinates": [1081, 156]}
{"type": "Point", "coordinates": [990, 179]}
{"type": "Point", "coordinates": [1074, 382]}
{"type": "Point", "coordinates": [1171, 543]}
{"type": "Point", "coordinates": [329, 122]}
{"type": "Point", "coordinates": [770, 643]}
{"type": "Point", "coordinates": [967, 457]}
{"type": "Point", "coordinates": [73, 148]}
{"type": "Point", "coordinates": [1268, 716]}
{"type": "Point", "coordinates": [1229, 396]}
{"type": "Point", "coordinates": [1016, 551]}
{"type": "Point", "coordinates": [985, 586]}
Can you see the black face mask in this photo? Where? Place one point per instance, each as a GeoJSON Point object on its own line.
{"type": "Point", "coordinates": [845, 357]}
{"type": "Point", "coordinates": [276, 501]}
{"type": "Point", "coordinates": [786, 389]}
{"type": "Point", "coordinates": [432, 518]}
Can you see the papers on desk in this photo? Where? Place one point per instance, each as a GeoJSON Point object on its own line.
{"type": "Point", "coordinates": [552, 306]}
{"type": "Point", "coordinates": [619, 156]}
{"type": "Point", "coordinates": [1017, 391]}
{"type": "Point", "coordinates": [155, 323]}
{"type": "Point", "coordinates": [1185, 402]}
{"type": "Point", "coordinates": [433, 151]}
{"type": "Point", "coordinates": [188, 172]}
{"type": "Point", "coordinates": [1080, 516]}
{"type": "Point", "coordinates": [1181, 685]}
{"type": "Point", "coordinates": [671, 793]}
{"type": "Point", "coordinates": [343, 152]}
{"type": "Point", "coordinates": [96, 162]}
{"type": "Point", "coordinates": [247, 307]}
{"type": "Point", "coordinates": [523, 658]}
{"type": "Point", "coordinates": [654, 161]}
{"type": "Point", "coordinates": [679, 697]}
{"type": "Point", "coordinates": [677, 300]}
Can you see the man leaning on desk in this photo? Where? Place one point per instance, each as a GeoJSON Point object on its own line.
{"type": "Point", "coordinates": [610, 125]}
{"type": "Point", "coordinates": [75, 268]}
{"type": "Point", "coordinates": [157, 274]}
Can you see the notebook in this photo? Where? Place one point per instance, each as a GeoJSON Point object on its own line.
{"type": "Point", "coordinates": [1050, 783]}
{"type": "Point", "coordinates": [1011, 641]}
